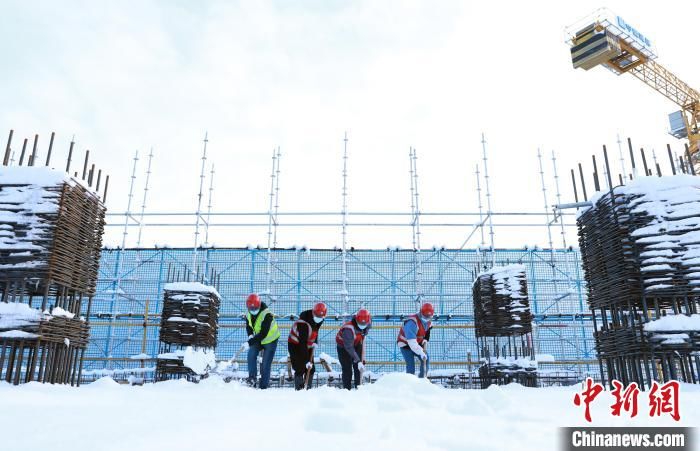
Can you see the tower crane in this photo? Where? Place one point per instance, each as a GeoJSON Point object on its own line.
{"type": "Point", "coordinates": [606, 39]}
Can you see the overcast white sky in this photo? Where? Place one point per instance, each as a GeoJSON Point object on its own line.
{"type": "Point", "coordinates": [129, 75]}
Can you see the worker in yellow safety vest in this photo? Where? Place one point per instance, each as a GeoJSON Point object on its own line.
{"type": "Point", "coordinates": [263, 335]}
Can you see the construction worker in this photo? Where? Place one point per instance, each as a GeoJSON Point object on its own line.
{"type": "Point", "coordinates": [263, 335]}
{"type": "Point", "coordinates": [350, 340]}
{"type": "Point", "coordinates": [302, 341]}
{"type": "Point", "coordinates": [413, 339]}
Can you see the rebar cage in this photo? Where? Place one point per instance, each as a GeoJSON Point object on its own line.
{"type": "Point", "coordinates": [126, 309]}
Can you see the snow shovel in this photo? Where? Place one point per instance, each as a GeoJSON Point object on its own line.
{"type": "Point", "coordinates": [308, 370]}
{"type": "Point", "coordinates": [362, 373]}
{"type": "Point", "coordinates": [424, 362]}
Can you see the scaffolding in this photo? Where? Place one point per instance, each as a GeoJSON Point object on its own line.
{"type": "Point", "coordinates": [382, 281]}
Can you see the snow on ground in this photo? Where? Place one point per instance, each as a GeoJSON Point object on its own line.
{"type": "Point", "coordinates": [399, 412]}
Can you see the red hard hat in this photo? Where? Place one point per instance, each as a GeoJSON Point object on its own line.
{"type": "Point", "coordinates": [320, 310]}
{"type": "Point", "coordinates": [363, 317]}
{"type": "Point", "coordinates": [427, 310]}
{"type": "Point", "coordinates": [253, 301]}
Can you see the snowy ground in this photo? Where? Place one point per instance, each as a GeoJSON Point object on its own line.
{"type": "Point", "coordinates": [399, 412]}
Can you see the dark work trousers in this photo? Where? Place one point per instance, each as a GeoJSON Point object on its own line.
{"type": "Point", "coordinates": [298, 360]}
{"type": "Point", "coordinates": [349, 368]}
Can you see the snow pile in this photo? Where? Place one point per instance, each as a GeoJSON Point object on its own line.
{"type": "Point", "coordinates": [674, 323]}
{"type": "Point", "coordinates": [17, 315]}
{"type": "Point", "coordinates": [58, 311]}
{"type": "Point", "coordinates": [511, 362]}
{"type": "Point", "coordinates": [200, 361]}
{"type": "Point", "coordinates": [399, 412]}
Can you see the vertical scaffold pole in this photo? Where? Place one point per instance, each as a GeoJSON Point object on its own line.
{"type": "Point", "coordinates": [418, 269]}
{"type": "Point", "coordinates": [489, 212]}
{"type": "Point", "coordinates": [277, 201]}
{"type": "Point", "coordinates": [116, 285]}
{"type": "Point", "coordinates": [481, 206]}
{"type": "Point", "coordinates": [209, 203]}
{"type": "Point", "coordinates": [546, 206]}
{"type": "Point", "coordinates": [195, 268]}
{"type": "Point", "coordinates": [275, 220]}
{"type": "Point", "coordinates": [344, 262]}
{"type": "Point", "coordinates": [270, 221]}
{"type": "Point", "coordinates": [145, 195]}
{"type": "Point", "coordinates": [622, 159]}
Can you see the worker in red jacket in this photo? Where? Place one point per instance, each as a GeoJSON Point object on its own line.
{"type": "Point", "coordinates": [413, 339]}
{"type": "Point", "coordinates": [302, 340]}
{"type": "Point", "coordinates": [350, 340]}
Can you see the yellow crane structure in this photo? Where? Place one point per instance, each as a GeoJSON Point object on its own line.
{"type": "Point", "coordinates": [606, 39]}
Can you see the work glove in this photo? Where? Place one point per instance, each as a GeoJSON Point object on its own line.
{"type": "Point", "coordinates": [309, 365]}
{"type": "Point", "coordinates": [245, 346]}
{"type": "Point", "coordinates": [360, 366]}
{"type": "Point", "coordinates": [314, 345]}
{"type": "Point", "coordinates": [423, 356]}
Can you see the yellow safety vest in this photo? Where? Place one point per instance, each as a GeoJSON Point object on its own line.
{"type": "Point", "coordinates": [272, 335]}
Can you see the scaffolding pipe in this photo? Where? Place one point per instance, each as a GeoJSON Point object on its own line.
{"type": "Point", "coordinates": [145, 194]}
{"type": "Point", "coordinates": [488, 199]}
{"type": "Point", "coordinates": [270, 220]}
{"type": "Point", "coordinates": [195, 268]}
{"type": "Point", "coordinates": [344, 263]}
{"type": "Point", "coordinates": [116, 286]}
{"type": "Point", "coordinates": [277, 199]}
{"type": "Point", "coordinates": [418, 269]}
{"type": "Point", "coordinates": [622, 159]}
{"type": "Point", "coordinates": [209, 204]}
{"type": "Point", "coordinates": [481, 208]}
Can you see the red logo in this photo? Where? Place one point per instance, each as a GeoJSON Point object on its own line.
{"type": "Point", "coordinates": [663, 399]}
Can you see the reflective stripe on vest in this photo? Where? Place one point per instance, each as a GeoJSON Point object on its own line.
{"type": "Point", "coordinates": [294, 333]}
{"type": "Point", "coordinates": [272, 335]}
{"type": "Point", "coordinates": [420, 333]}
{"type": "Point", "coordinates": [356, 338]}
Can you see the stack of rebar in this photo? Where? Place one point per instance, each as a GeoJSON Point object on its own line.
{"type": "Point", "coordinates": [51, 230]}
{"type": "Point", "coordinates": [501, 305]}
{"type": "Point", "coordinates": [503, 326]}
{"type": "Point", "coordinates": [640, 246]}
{"type": "Point", "coordinates": [190, 318]}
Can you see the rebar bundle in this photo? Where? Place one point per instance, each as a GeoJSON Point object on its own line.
{"type": "Point", "coordinates": [51, 230]}
{"type": "Point", "coordinates": [503, 327]}
{"type": "Point", "coordinates": [640, 246]}
{"type": "Point", "coordinates": [501, 305]}
{"type": "Point", "coordinates": [190, 318]}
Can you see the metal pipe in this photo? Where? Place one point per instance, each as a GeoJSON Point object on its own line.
{"type": "Point", "coordinates": [573, 181]}
{"type": "Point", "coordinates": [583, 181]}
{"type": "Point", "coordinates": [690, 160]}
{"type": "Point", "coordinates": [6, 159]}
{"type": "Point", "coordinates": [488, 198]}
{"type": "Point", "coordinates": [48, 156]}
{"type": "Point", "coordinates": [199, 203]}
{"type": "Point", "coordinates": [33, 155]}
{"type": "Point", "coordinates": [70, 154]}
{"type": "Point", "coordinates": [344, 264]}
{"type": "Point", "coordinates": [24, 148]}
{"type": "Point", "coordinates": [85, 165]}
{"type": "Point", "coordinates": [145, 194]}
{"type": "Point", "coordinates": [670, 159]}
